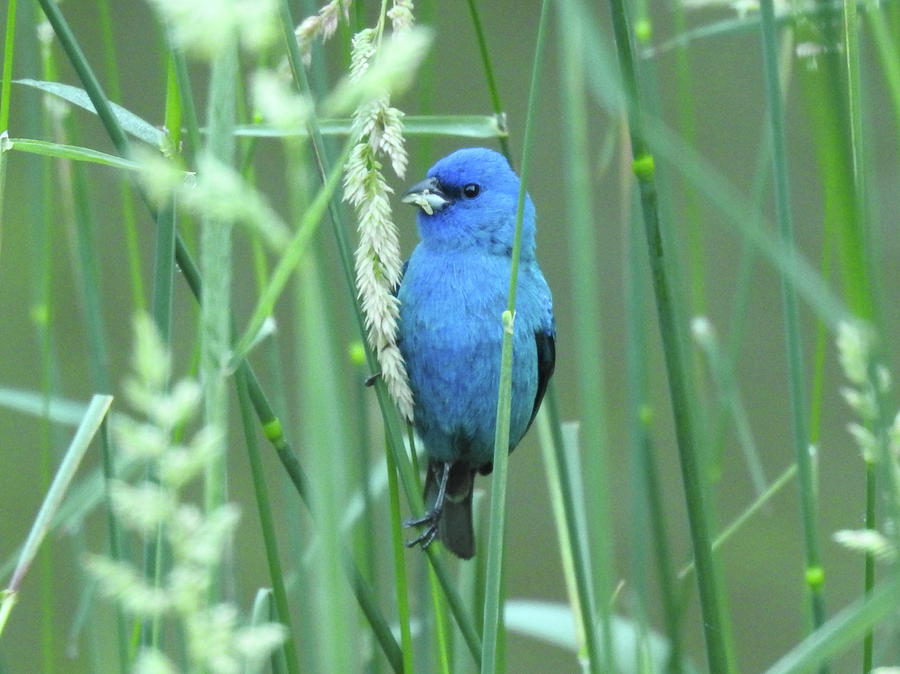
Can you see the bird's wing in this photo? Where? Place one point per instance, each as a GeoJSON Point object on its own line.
{"type": "Point", "coordinates": [546, 361]}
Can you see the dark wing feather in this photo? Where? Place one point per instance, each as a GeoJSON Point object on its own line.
{"type": "Point", "coordinates": [546, 361]}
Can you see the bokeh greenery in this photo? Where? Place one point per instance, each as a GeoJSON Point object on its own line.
{"type": "Point", "coordinates": [79, 257]}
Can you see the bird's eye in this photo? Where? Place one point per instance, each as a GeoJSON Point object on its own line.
{"type": "Point", "coordinates": [471, 190]}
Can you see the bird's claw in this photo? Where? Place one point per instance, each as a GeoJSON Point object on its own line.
{"type": "Point", "coordinates": [427, 537]}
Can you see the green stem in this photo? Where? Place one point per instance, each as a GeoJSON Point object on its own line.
{"type": "Point", "coordinates": [713, 624]}
{"type": "Point", "coordinates": [399, 550]}
{"type": "Point", "coordinates": [489, 73]}
{"type": "Point", "coordinates": [491, 655]}
{"type": "Point", "coordinates": [5, 93]}
{"type": "Point", "coordinates": [799, 422]}
{"type": "Point", "coordinates": [643, 448]}
{"type": "Point", "coordinates": [267, 523]}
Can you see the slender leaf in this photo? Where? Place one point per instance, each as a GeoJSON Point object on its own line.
{"type": "Point", "coordinates": [130, 122]}
{"type": "Point", "coordinates": [90, 424]}
{"type": "Point", "coordinates": [72, 152]}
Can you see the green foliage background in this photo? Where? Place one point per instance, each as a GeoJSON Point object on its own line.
{"type": "Point", "coordinates": [712, 92]}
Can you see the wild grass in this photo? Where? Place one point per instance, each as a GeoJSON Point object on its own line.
{"type": "Point", "coordinates": [717, 210]}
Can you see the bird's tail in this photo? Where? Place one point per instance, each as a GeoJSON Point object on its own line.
{"type": "Point", "coordinates": [455, 524]}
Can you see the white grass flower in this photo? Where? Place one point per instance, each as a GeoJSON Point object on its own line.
{"type": "Point", "coordinates": [866, 440]}
{"type": "Point", "coordinates": [868, 541]}
{"type": "Point", "coordinates": [205, 28]}
{"type": "Point", "coordinates": [322, 24]}
{"type": "Point", "coordinates": [196, 539]}
{"type": "Point", "coordinates": [127, 586]}
{"type": "Point", "coordinates": [140, 441]}
{"type": "Point", "coordinates": [180, 465]}
{"type": "Point", "coordinates": [376, 70]}
{"type": "Point", "coordinates": [854, 345]}
{"type": "Point", "coordinates": [143, 507]}
{"type": "Point", "coordinates": [152, 661]}
{"type": "Point", "coordinates": [277, 102]}
{"type": "Point", "coordinates": [254, 643]}
{"type": "Point", "coordinates": [220, 192]}
{"type": "Point", "coordinates": [217, 190]}
{"type": "Point", "coordinates": [861, 402]}
{"type": "Point", "coordinates": [200, 538]}
{"type": "Point", "coordinates": [401, 15]}
{"type": "Point", "coordinates": [702, 331]}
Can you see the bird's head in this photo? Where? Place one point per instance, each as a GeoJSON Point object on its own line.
{"type": "Point", "coordinates": [469, 199]}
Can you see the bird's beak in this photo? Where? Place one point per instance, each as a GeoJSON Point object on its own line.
{"type": "Point", "coordinates": [427, 195]}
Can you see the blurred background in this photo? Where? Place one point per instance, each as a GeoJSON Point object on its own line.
{"type": "Point", "coordinates": [724, 120]}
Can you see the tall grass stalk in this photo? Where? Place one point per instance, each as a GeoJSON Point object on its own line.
{"type": "Point", "coordinates": [9, 43]}
{"type": "Point", "coordinates": [490, 80]}
{"type": "Point", "coordinates": [592, 551]}
{"type": "Point", "coordinates": [491, 656]}
{"type": "Point", "coordinates": [798, 405]}
{"type": "Point", "coordinates": [267, 524]}
{"type": "Point", "coordinates": [682, 405]}
{"type": "Point", "coordinates": [641, 442]}
{"type": "Point", "coordinates": [215, 262]}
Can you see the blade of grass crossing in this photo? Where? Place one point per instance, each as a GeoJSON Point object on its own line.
{"type": "Point", "coordinates": [491, 655]}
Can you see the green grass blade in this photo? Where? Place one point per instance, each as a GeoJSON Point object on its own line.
{"type": "Point", "coordinates": [293, 253]}
{"type": "Point", "coordinates": [215, 262]}
{"type": "Point", "coordinates": [493, 90]}
{"type": "Point", "coordinates": [56, 409]}
{"type": "Point", "coordinates": [584, 241]}
{"type": "Point", "coordinates": [89, 426]}
{"type": "Point", "coordinates": [9, 44]}
{"type": "Point", "coordinates": [132, 124]}
{"type": "Point", "coordinates": [798, 404]}
{"type": "Point", "coordinates": [683, 405]}
{"type": "Point", "coordinates": [71, 152]}
{"type": "Point", "coordinates": [733, 527]}
{"type": "Point", "coordinates": [491, 655]}
{"type": "Point", "coordinates": [267, 524]}
{"type": "Point", "coordinates": [842, 631]}
{"type": "Point", "coordinates": [5, 93]}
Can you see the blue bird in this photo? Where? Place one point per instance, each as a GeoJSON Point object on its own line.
{"type": "Point", "coordinates": [452, 295]}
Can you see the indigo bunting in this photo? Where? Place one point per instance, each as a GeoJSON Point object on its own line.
{"type": "Point", "coordinates": [452, 296]}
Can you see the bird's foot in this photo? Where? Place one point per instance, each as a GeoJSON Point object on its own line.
{"type": "Point", "coordinates": [430, 521]}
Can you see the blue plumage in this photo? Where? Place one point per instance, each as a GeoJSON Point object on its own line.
{"type": "Point", "coordinates": [452, 296]}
